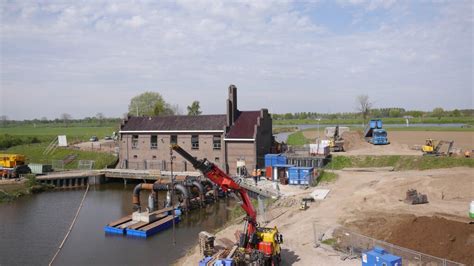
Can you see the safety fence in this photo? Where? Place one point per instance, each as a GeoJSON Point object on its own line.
{"type": "Point", "coordinates": [163, 165]}
{"type": "Point", "coordinates": [353, 244]}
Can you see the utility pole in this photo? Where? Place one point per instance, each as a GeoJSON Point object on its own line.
{"type": "Point", "coordinates": [171, 196]}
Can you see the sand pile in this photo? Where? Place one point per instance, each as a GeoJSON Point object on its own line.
{"type": "Point", "coordinates": [435, 236]}
{"type": "Point", "coordinates": [354, 140]}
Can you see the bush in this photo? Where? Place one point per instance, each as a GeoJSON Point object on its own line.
{"type": "Point", "coordinates": [7, 140]}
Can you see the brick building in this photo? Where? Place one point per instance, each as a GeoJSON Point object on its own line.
{"type": "Point", "coordinates": [237, 136]}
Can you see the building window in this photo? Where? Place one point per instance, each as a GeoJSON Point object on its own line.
{"type": "Point", "coordinates": [154, 142]}
{"type": "Point", "coordinates": [216, 142]}
{"type": "Point", "coordinates": [194, 142]}
{"type": "Point", "coordinates": [134, 141]}
{"type": "Point", "coordinates": [154, 156]}
{"type": "Point", "coordinates": [216, 160]}
{"type": "Point", "coordinates": [174, 139]}
{"type": "Point", "coordinates": [135, 156]}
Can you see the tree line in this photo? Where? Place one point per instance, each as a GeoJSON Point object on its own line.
{"type": "Point", "coordinates": [377, 113]}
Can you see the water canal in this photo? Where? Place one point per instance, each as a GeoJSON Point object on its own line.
{"type": "Point", "coordinates": [32, 227]}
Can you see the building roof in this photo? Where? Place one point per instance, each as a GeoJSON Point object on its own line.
{"type": "Point", "coordinates": [244, 125]}
{"type": "Point", "coordinates": [176, 123]}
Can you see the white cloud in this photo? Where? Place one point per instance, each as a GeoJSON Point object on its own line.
{"type": "Point", "coordinates": [194, 49]}
{"type": "Point", "coordinates": [134, 22]}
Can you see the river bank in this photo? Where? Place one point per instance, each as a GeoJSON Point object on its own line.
{"type": "Point", "coordinates": [12, 189]}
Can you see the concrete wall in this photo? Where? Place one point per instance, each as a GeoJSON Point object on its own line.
{"type": "Point", "coordinates": [143, 157]}
{"type": "Point", "coordinates": [240, 150]}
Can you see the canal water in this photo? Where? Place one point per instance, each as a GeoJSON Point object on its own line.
{"type": "Point", "coordinates": [32, 227]}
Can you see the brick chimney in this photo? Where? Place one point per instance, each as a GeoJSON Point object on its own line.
{"type": "Point", "coordinates": [232, 112]}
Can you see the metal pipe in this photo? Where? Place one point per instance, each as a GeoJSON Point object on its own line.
{"type": "Point", "coordinates": [136, 194]}
{"type": "Point", "coordinates": [184, 192]}
{"type": "Point", "coordinates": [201, 191]}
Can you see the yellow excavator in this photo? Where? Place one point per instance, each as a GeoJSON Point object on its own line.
{"type": "Point", "coordinates": [432, 147]}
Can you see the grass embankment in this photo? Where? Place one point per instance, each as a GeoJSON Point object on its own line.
{"type": "Point", "coordinates": [297, 139]}
{"type": "Point", "coordinates": [12, 191]}
{"type": "Point", "coordinates": [277, 130]}
{"type": "Point", "coordinates": [392, 120]}
{"type": "Point", "coordinates": [399, 162]}
{"type": "Point", "coordinates": [27, 134]}
{"type": "Point", "coordinates": [34, 154]}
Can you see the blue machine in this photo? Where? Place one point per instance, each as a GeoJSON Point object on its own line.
{"type": "Point", "coordinates": [375, 134]}
{"type": "Point", "coordinates": [379, 137]}
{"type": "Point", "coordinates": [379, 257]}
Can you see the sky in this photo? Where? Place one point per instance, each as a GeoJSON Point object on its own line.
{"type": "Point", "coordinates": [86, 57]}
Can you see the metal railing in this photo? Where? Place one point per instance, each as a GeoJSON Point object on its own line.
{"type": "Point", "coordinates": [352, 243]}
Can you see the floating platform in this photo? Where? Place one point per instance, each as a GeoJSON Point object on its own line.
{"type": "Point", "coordinates": [163, 219]}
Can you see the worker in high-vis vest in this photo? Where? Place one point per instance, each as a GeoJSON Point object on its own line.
{"type": "Point", "coordinates": [254, 175]}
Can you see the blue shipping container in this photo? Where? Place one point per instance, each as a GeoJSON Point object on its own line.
{"type": "Point", "coordinates": [293, 172]}
{"type": "Point", "coordinates": [268, 160]}
{"type": "Point", "coordinates": [305, 175]}
{"type": "Point", "coordinates": [204, 261]}
{"type": "Point", "coordinates": [379, 257]}
{"type": "Point", "coordinates": [272, 159]}
{"type": "Point", "coordinates": [281, 159]}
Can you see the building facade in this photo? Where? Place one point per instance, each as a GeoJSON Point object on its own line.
{"type": "Point", "coordinates": [237, 138]}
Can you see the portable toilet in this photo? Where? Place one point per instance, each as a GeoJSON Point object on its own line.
{"type": "Point", "coordinates": [379, 257]}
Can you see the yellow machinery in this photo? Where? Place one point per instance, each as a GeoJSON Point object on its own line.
{"type": "Point", "coordinates": [433, 147]}
{"type": "Point", "coordinates": [13, 165]}
{"type": "Point", "coordinates": [11, 160]}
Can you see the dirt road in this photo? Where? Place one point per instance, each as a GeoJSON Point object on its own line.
{"type": "Point", "coordinates": [401, 142]}
{"type": "Point", "coordinates": [357, 196]}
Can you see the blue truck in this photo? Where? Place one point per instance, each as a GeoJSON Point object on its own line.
{"type": "Point", "coordinates": [375, 134]}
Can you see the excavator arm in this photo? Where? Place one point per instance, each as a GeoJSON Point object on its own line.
{"type": "Point", "coordinates": [225, 182]}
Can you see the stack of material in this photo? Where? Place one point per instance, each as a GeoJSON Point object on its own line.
{"type": "Point", "coordinates": [206, 243]}
{"type": "Point", "coordinates": [413, 197]}
{"type": "Point", "coordinates": [319, 149]}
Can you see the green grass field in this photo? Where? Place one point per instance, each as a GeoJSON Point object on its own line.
{"type": "Point", "coordinates": [81, 133]}
{"type": "Point", "coordinates": [297, 139]}
{"type": "Point", "coordinates": [399, 162]}
{"type": "Point", "coordinates": [34, 153]}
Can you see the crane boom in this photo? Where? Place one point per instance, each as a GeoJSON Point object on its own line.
{"type": "Point", "coordinates": [225, 182]}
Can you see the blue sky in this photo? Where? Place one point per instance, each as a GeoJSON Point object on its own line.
{"type": "Point", "coordinates": [85, 57]}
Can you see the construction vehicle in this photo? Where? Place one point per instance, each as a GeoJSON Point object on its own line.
{"type": "Point", "coordinates": [414, 197]}
{"type": "Point", "coordinates": [375, 134]}
{"type": "Point", "coordinates": [13, 165]}
{"type": "Point", "coordinates": [433, 147]}
{"type": "Point", "coordinates": [336, 142]}
{"type": "Point", "coordinates": [257, 245]}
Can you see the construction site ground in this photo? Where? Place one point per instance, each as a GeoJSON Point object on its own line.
{"type": "Point", "coordinates": [401, 142]}
{"type": "Point", "coordinates": [371, 203]}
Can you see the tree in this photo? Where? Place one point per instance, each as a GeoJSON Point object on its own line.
{"type": "Point", "coordinates": [394, 112]}
{"type": "Point", "coordinates": [194, 109]}
{"type": "Point", "coordinates": [364, 105]}
{"type": "Point", "coordinates": [65, 117]}
{"type": "Point", "coordinates": [456, 113]}
{"type": "Point", "coordinates": [438, 112]}
{"type": "Point", "coordinates": [3, 120]}
{"type": "Point", "coordinates": [100, 117]}
{"type": "Point", "coordinates": [149, 104]}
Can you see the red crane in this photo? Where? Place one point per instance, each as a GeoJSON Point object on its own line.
{"type": "Point", "coordinates": [218, 177]}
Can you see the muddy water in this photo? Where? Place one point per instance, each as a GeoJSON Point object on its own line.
{"type": "Point", "coordinates": [32, 228]}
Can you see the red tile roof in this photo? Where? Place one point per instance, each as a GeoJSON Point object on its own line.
{"type": "Point", "coordinates": [244, 125]}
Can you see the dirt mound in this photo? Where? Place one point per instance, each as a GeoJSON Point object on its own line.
{"type": "Point", "coordinates": [354, 140]}
{"type": "Point", "coordinates": [435, 236]}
